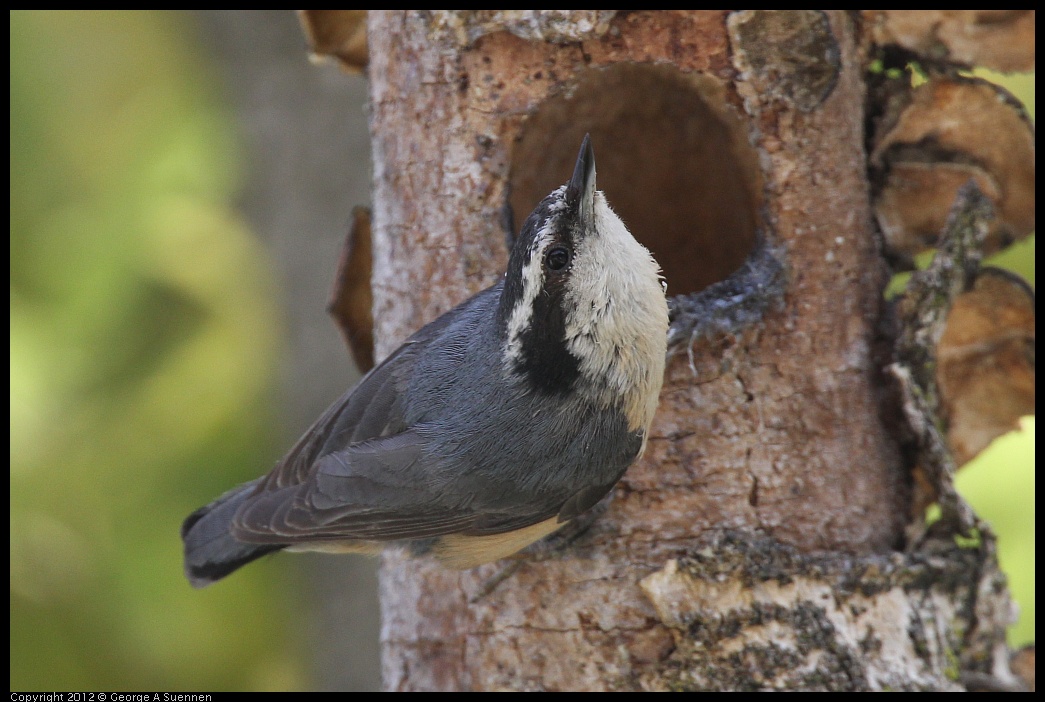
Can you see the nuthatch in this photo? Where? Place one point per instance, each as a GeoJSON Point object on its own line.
{"type": "Point", "coordinates": [488, 429]}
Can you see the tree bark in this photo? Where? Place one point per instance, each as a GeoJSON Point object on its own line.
{"type": "Point", "coordinates": [774, 479]}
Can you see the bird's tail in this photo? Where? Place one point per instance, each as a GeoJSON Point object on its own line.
{"type": "Point", "coordinates": [210, 551]}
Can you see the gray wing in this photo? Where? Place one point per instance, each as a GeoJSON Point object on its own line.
{"type": "Point", "coordinates": [379, 490]}
{"type": "Point", "coordinates": [370, 410]}
{"type": "Point", "coordinates": [369, 491]}
{"type": "Point", "coordinates": [360, 473]}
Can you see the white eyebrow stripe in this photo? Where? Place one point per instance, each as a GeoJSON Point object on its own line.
{"type": "Point", "coordinates": [533, 281]}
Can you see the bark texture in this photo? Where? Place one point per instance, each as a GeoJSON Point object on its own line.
{"type": "Point", "coordinates": [715, 134]}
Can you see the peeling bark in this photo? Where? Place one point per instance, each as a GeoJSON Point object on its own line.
{"type": "Point", "coordinates": [751, 614]}
{"type": "Point", "coordinates": [998, 39]}
{"type": "Point", "coordinates": [934, 138]}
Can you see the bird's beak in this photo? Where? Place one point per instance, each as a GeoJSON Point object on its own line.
{"type": "Point", "coordinates": [580, 191]}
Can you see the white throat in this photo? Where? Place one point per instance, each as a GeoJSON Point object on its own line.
{"type": "Point", "coordinates": [617, 319]}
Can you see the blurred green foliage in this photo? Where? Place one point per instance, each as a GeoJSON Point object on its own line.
{"type": "Point", "coordinates": [143, 340]}
{"type": "Point", "coordinates": [999, 484]}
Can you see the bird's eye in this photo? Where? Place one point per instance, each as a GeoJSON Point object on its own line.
{"type": "Point", "coordinates": [557, 258]}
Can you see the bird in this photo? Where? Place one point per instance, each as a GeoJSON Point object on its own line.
{"type": "Point", "coordinates": [488, 429]}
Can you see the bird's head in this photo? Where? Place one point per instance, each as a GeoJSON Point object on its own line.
{"type": "Point", "coordinates": [583, 308]}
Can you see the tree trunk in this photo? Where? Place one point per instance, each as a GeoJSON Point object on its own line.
{"type": "Point", "coordinates": [754, 544]}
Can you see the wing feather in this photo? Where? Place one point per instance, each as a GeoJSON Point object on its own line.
{"type": "Point", "coordinates": [360, 473]}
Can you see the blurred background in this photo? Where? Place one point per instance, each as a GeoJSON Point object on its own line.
{"type": "Point", "coordinates": [181, 184]}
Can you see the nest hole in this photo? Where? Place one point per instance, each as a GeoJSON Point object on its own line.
{"type": "Point", "coordinates": [671, 156]}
